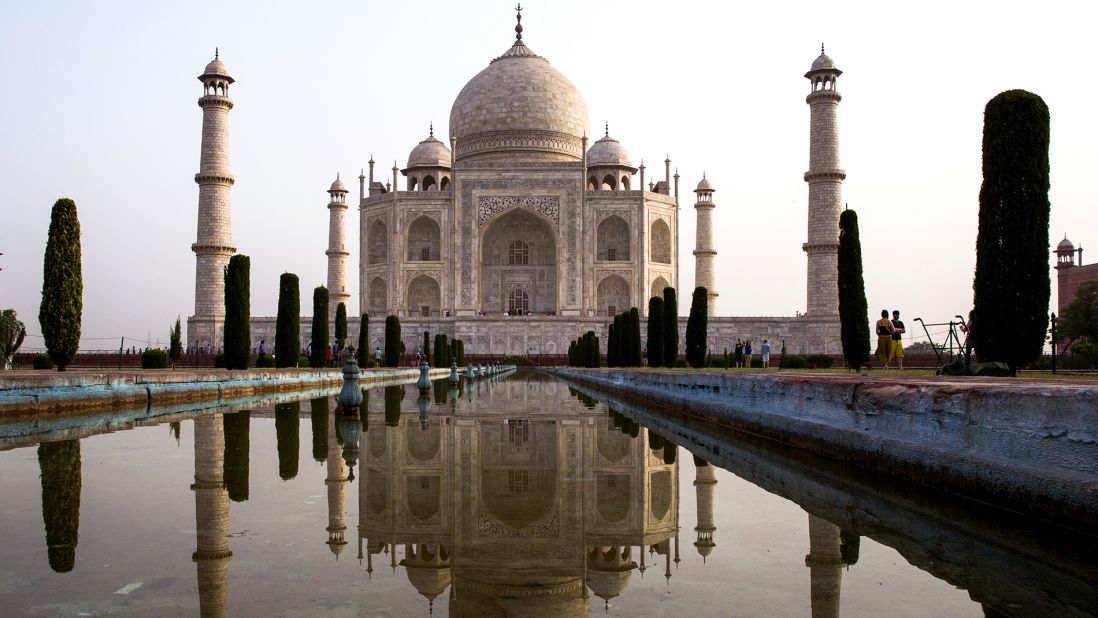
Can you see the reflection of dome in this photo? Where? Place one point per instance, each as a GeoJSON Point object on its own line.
{"type": "Point", "coordinates": [429, 153]}
{"type": "Point", "coordinates": [428, 581]}
{"type": "Point", "coordinates": [607, 584]}
{"type": "Point", "coordinates": [519, 103]}
{"type": "Point", "coordinates": [1065, 245]}
{"type": "Point", "coordinates": [608, 151]}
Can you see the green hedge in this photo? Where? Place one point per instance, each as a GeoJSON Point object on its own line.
{"type": "Point", "coordinates": [265, 362]}
{"type": "Point", "coordinates": [793, 361]}
{"type": "Point", "coordinates": [154, 358]}
{"type": "Point", "coordinates": [43, 361]}
{"type": "Point", "coordinates": [819, 361]}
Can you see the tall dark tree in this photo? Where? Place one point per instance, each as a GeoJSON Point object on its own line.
{"type": "Point", "coordinates": [392, 341]}
{"type": "Point", "coordinates": [1011, 287]}
{"type": "Point", "coordinates": [319, 356]}
{"type": "Point", "coordinates": [697, 328]}
{"type": "Point", "coordinates": [288, 324]}
{"type": "Point", "coordinates": [59, 464]}
{"type": "Point", "coordinates": [237, 451]}
{"type": "Point", "coordinates": [364, 358]}
{"type": "Point", "coordinates": [341, 325]}
{"type": "Point", "coordinates": [853, 309]}
{"type": "Point", "coordinates": [670, 327]}
{"type": "Point", "coordinates": [238, 336]}
{"type": "Point", "coordinates": [612, 343]}
{"type": "Point", "coordinates": [62, 305]}
{"type": "Point", "coordinates": [318, 415]}
{"type": "Point", "coordinates": [572, 353]}
{"type": "Point", "coordinates": [175, 342]}
{"type": "Point", "coordinates": [1080, 318]}
{"type": "Point", "coordinates": [655, 332]}
{"type": "Point", "coordinates": [288, 437]}
{"type": "Point", "coordinates": [427, 347]}
{"type": "Point", "coordinates": [633, 353]}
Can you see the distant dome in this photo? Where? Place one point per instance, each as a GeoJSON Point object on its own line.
{"type": "Point", "coordinates": [338, 185]}
{"type": "Point", "coordinates": [519, 104]}
{"type": "Point", "coordinates": [1065, 245]}
{"type": "Point", "coordinates": [216, 67]}
{"type": "Point", "coordinates": [823, 62]}
{"type": "Point", "coordinates": [608, 151]}
{"type": "Point", "coordinates": [429, 153]}
{"type": "Point", "coordinates": [704, 185]}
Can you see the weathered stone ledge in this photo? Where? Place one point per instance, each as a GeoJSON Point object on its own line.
{"type": "Point", "coordinates": [39, 393]}
{"type": "Point", "coordinates": [1030, 446]}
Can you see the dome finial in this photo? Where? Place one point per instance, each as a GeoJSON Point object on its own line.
{"type": "Point", "coordinates": [703, 175]}
{"type": "Point", "coordinates": [432, 128]}
{"type": "Point", "coordinates": [217, 53]}
{"type": "Point", "coordinates": [607, 128]}
{"type": "Point", "coordinates": [518, 26]}
{"type": "Point", "coordinates": [821, 48]}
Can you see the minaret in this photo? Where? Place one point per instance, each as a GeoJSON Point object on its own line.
{"type": "Point", "coordinates": [336, 482]}
{"type": "Point", "coordinates": [705, 481]}
{"type": "Point", "coordinates": [214, 244]}
{"type": "Point", "coordinates": [825, 182]}
{"type": "Point", "coordinates": [211, 507]}
{"type": "Point", "coordinates": [704, 253]}
{"type": "Point", "coordinates": [337, 250]}
{"type": "Point", "coordinates": [825, 563]}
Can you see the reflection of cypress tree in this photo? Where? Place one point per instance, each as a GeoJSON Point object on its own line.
{"type": "Point", "coordinates": [237, 450]}
{"type": "Point", "coordinates": [655, 440]}
{"type": "Point", "coordinates": [699, 462]}
{"type": "Point", "coordinates": [442, 389]}
{"type": "Point", "coordinates": [634, 428]}
{"type": "Point", "coordinates": [173, 431]}
{"type": "Point", "coordinates": [364, 410]}
{"type": "Point", "coordinates": [669, 451]}
{"type": "Point", "coordinates": [393, 396]}
{"type": "Point", "coordinates": [288, 428]}
{"type": "Point", "coordinates": [319, 415]}
{"type": "Point", "coordinates": [851, 543]}
{"type": "Point", "coordinates": [60, 466]}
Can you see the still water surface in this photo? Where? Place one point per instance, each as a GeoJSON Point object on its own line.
{"type": "Point", "coordinates": [517, 497]}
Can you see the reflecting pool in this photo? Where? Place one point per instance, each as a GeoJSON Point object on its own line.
{"type": "Point", "coordinates": [516, 496]}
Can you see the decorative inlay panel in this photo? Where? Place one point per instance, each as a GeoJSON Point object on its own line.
{"type": "Point", "coordinates": [490, 206]}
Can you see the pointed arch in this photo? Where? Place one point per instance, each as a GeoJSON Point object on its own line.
{"type": "Point", "coordinates": [612, 240]}
{"type": "Point", "coordinates": [657, 287]}
{"type": "Point", "coordinates": [660, 241]}
{"type": "Point", "coordinates": [612, 296]}
{"type": "Point", "coordinates": [424, 297]}
{"type": "Point", "coordinates": [377, 244]}
{"type": "Point", "coordinates": [424, 240]}
{"type": "Point", "coordinates": [377, 296]}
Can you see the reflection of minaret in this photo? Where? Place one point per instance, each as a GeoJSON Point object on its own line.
{"type": "Point", "coordinates": [705, 480]}
{"type": "Point", "coordinates": [336, 482]}
{"type": "Point", "coordinates": [825, 562]}
{"type": "Point", "coordinates": [211, 506]}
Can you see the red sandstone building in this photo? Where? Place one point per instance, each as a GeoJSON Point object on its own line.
{"type": "Point", "coordinates": [1070, 276]}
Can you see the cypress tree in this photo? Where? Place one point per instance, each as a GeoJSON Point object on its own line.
{"type": "Point", "coordinates": [655, 332]}
{"type": "Point", "coordinates": [237, 449]}
{"type": "Point", "coordinates": [364, 358]}
{"type": "Point", "coordinates": [611, 344]}
{"type": "Point", "coordinates": [288, 323]}
{"type": "Point", "coordinates": [633, 328]}
{"type": "Point", "coordinates": [1011, 287]}
{"type": "Point", "coordinates": [670, 327]}
{"type": "Point", "coordinates": [62, 285]}
{"type": "Point", "coordinates": [853, 309]}
{"type": "Point", "coordinates": [697, 327]}
{"type": "Point", "coordinates": [175, 339]}
{"type": "Point", "coordinates": [392, 341]}
{"type": "Point", "coordinates": [288, 439]}
{"type": "Point", "coordinates": [572, 353]}
{"type": "Point", "coordinates": [238, 336]}
{"type": "Point", "coordinates": [341, 325]}
{"type": "Point", "coordinates": [59, 464]}
{"type": "Point", "coordinates": [319, 356]}
{"type": "Point", "coordinates": [318, 417]}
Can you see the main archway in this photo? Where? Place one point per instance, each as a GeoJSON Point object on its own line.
{"type": "Point", "coordinates": [518, 254]}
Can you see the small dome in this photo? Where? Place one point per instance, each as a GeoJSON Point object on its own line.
{"type": "Point", "coordinates": [607, 151]}
{"type": "Point", "coordinates": [216, 67]}
{"type": "Point", "coordinates": [337, 186]}
{"type": "Point", "coordinates": [704, 185]}
{"type": "Point", "coordinates": [429, 153]}
{"type": "Point", "coordinates": [607, 584]}
{"type": "Point", "coordinates": [1065, 245]}
{"type": "Point", "coordinates": [823, 62]}
{"type": "Point", "coordinates": [430, 582]}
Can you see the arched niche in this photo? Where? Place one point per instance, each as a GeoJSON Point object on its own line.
{"type": "Point", "coordinates": [661, 242]}
{"type": "Point", "coordinates": [613, 445]}
{"type": "Point", "coordinates": [377, 491]}
{"type": "Point", "coordinates": [423, 444]}
{"type": "Point", "coordinates": [658, 285]}
{"type": "Point", "coordinates": [612, 240]}
{"type": "Point", "coordinates": [613, 496]}
{"type": "Point", "coordinates": [519, 250]}
{"type": "Point", "coordinates": [424, 297]}
{"type": "Point", "coordinates": [660, 488]}
{"type": "Point", "coordinates": [377, 297]}
{"type": "Point", "coordinates": [424, 240]}
{"type": "Point", "coordinates": [444, 184]}
{"type": "Point", "coordinates": [612, 296]}
{"type": "Point", "coordinates": [377, 244]}
{"type": "Point", "coordinates": [422, 496]}
{"type": "Point", "coordinates": [518, 474]}
{"type": "Point", "coordinates": [610, 183]}
{"type": "Point", "coordinates": [428, 183]}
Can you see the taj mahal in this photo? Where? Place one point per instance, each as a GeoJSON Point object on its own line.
{"type": "Point", "coordinates": [520, 231]}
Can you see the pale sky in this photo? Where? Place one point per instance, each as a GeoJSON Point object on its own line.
{"type": "Point", "coordinates": [100, 106]}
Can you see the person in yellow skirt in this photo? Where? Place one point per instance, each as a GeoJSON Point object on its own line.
{"type": "Point", "coordinates": [884, 339]}
{"type": "Point", "coordinates": [897, 339]}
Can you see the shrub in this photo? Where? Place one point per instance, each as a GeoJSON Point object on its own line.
{"type": "Point", "coordinates": [756, 362]}
{"type": "Point", "coordinates": [219, 361]}
{"type": "Point", "coordinates": [302, 360]}
{"type": "Point", "coordinates": [62, 285]}
{"type": "Point", "coordinates": [265, 362]}
{"type": "Point", "coordinates": [719, 363]}
{"type": "Point", "coordinates": [12, 334]}
{"type": "Point", "coordinates": [341, 325]}
{"type": "Point", "coordinates": [288, 323]}
{"type": "Point", "coordinates": [793, 361]}
{"type": "Point", "coordinates": [511, 359]}
{"type": "Point", "coordinates": [175, 345]}
{"type": "Point", "coordinates": [853, 310]}
{"type": "Point", "coordinates": [1085, 355]}
{"type": "Point", "coordinates": [670, 327]}
{"type": "Point", "coordinates": [42, 361]}
{"type": "Point", "coordinates": [392, 341]}
{"type": "Point", "coordinates": [154, 358]}
{"type": "Point", "coordinates": [457, 351]}
{"type": "Point", "coordinates": [319, 356]}
{"type": "Point", "coordinates": [680, 363]}
{"type": "Point", "coordinates": [697, 328]}
{"type": "Point", "coordinates": [819, 361]}
{"type": "Point", "coordinates": [1011, 288]}
{"type": "Point", "coordinates": [238, 340]}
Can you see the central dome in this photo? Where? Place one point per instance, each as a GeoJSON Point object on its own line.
{"type": "Point", "coordinates": [519, 107]}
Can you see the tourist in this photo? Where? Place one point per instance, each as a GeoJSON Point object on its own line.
{"type": "Point", "coordinates": [377, 356]}
{"type": "Point", "coordinates": [262, 353]}
{"type": "Point", "coordinates": [966, 328]}
{"type": "Point", "coordinates": [766, 353]}
{"type": "Point", "coordinates": [884, 339]}
{"type": "Point", "coordinates": [738, 354]}
{"type": "Point", "coordinates": [747, 354]}
{"type": "Point", "coordinates": [897, 336]}
{"type": "Point", "coordinates": [644, 357]}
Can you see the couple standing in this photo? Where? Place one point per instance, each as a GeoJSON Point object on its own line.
{"type": "Point", "coordinates": [890, 339]}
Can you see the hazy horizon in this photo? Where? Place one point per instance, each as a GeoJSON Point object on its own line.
{"type": "Point", "coordinates": [102, 109]}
